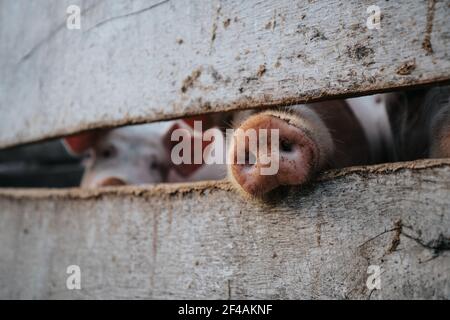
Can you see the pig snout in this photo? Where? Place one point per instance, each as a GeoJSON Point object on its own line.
{"type": "Point", "coordinates": [92, 180]}
{"type": "Point", "coordinates": [111, 181]}
{"type": "Point", "coordinates": [297, 155]}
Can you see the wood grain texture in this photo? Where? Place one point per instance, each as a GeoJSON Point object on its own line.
{"type": "Point", "coordinates": [137, 61]}
{"type": "Point", "coordinates": [204, 241]}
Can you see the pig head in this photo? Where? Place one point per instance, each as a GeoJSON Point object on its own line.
{"type": "Point", "coordinates": [397, 126]}
{"type": "Point", "coordinates": [137, 154]}
{"type": "Point", "coordinates": [312, 138]}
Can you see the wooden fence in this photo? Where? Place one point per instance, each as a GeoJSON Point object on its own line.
{"type": "Point", "coordinates": [140, 61]}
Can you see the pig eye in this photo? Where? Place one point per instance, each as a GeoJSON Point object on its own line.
{"type": "Point", "coordinates": [108, 152]}
{"type": "Point", "coordinates": [154, 165]}
{"type": "Point", "coordinates": [87, 156]}
{"type": "Point", "coordinates": [286, 146]}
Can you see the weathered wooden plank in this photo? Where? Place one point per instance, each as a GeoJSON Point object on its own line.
{"type": "Point", "coordinates": [135, 61]}
{"type": "Point", "coordinates": [204, 241]}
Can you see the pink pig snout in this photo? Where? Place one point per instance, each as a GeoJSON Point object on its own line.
{"type": "Point", "coordinates": [298, 156]}
{"type": "Point", "coordinates": [111, 181]}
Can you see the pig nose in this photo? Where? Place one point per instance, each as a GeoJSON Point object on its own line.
{"type": "Point", "coordinates": [112, 181]}
{"type": "Point", "coordinates": [297, 156]}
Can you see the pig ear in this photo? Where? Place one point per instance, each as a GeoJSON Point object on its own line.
{"type": "Point", "coordinates": [183, 169]}
{"type": "Point", "coordinates": [78, 143]}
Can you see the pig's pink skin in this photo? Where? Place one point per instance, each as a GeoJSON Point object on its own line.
{"type": "Point", "coordinates": [295, 166]}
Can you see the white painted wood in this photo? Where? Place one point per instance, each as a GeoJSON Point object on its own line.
{"type": "Point", "coordinates": [135, 61]}
{"type": "Point", "coordinates": [205, 241]}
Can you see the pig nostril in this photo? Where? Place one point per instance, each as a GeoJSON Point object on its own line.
{"type": "Point", "coordinates": [286, 146]}
{"type": "Point", "coordinates": [248, 161]}
{"type": "Point", "coordinates": [250, 158]}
